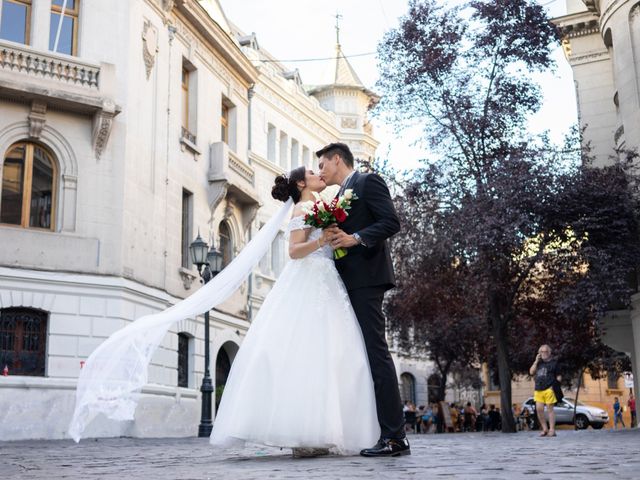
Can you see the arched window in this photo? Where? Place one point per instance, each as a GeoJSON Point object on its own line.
{"type": "Point", "coordinates": [29, 177]}
{"type": "Point", "coordinates": [226, 244]}
{"type": "Point", "coordinates": [23, 340]}
{"type": "Point", "coordinates": [408, 387]}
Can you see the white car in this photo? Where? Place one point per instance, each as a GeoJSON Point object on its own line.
{"type": "Point", "coordinates": [585, 414]}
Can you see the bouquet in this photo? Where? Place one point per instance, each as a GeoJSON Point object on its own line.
{"type": "Point", "coordinates": [324, 213]}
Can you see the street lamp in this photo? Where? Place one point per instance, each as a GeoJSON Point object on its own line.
{"type": "Point", "coordinates": [209, 263]}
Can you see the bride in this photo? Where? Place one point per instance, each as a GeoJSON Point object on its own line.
{"type": "Point", "coordinates": [301, 378]}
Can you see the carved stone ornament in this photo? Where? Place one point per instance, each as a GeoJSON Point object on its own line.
{"type": "Point", "coordinates": [167, 5]}
{"type": "Point", "coordinates": [149, 46]}
{"type": "Point", "coordinates": [102, 123]}
{"type": "Point", "coordinates": [37, 118]}
{"type": "Point", "coordinates": [347, 122]}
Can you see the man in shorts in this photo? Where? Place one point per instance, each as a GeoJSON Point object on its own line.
{"type": "Point", "coordinates": [544, 369]}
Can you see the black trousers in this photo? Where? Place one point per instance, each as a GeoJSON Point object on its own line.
{"type": "Point", "coordinates": [367, 304]}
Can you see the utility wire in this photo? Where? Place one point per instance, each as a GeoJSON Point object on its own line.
{"type": "Point", "coordinates": [317, 59]}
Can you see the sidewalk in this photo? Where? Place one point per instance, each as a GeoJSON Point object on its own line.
{"type": "Point", "coordinates": [570, 455]}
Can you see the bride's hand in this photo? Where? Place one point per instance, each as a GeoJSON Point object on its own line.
{"type": "Point", "coordinates": [325, 239]}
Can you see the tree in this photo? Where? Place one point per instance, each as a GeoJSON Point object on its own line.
{"type": "Point", "coordinates": [504, 228]}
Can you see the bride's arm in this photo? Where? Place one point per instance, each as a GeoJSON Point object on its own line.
{"type": "Point", "coordinates": [299, 244]}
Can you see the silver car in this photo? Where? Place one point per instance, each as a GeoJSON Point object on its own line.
{"type": "Point", "coordinates": [585, 414]}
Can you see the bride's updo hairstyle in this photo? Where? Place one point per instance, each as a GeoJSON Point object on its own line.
{"type": "Point", "coordinates": [286, 186]}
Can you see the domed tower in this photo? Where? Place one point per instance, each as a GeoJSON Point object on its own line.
{"type": "Point", "coordinates": [350, 100]}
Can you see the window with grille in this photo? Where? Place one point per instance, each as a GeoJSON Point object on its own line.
{"type": "Point", "coordinates": [23, 340]}
{"type": "Point", "coordinates": [183, 360]}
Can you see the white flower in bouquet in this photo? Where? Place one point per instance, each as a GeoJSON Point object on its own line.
{"type": "Point", "coordinates": [329, 193]}
{"type": "Point", "coordinates": [307, 207]}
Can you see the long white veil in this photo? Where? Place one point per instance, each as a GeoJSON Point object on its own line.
{"type": "Point", "coordinates": [116, 371]}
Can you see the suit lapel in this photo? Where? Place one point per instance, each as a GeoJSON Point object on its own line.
{"type": "Point", "coordinates": [350, 183]}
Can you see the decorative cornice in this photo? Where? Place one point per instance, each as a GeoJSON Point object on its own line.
{"type": "Point", "coordinates": [580, 29]}
{"type": "Point", "coordinates": [198, 18]}
{"type": "Point", "coordinates": [592, 5]}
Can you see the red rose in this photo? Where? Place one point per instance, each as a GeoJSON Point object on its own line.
{"type": "Point", "coordinates": [340, 215]}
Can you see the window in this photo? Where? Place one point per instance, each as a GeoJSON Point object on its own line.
{"type": "Point", "coordinates": [224, 124]}
{"type": "Point", "coordinates": [277, 254]}
{"type": "Point", "coordinates": [264, 261]}
{"type": "Point", "coordinates": [183, 360]}
{"type": "Point", "coordinates": [295, 152]}
{"type": "Point", "coordinates": [63, 27]}
{"type": "Point", "coordinates": [228, 123]}
{"type": "Point", "coordinates": [408, 387]}
{"type": "Point", "coordinates": [433, 388]}
{"type": "Point", "coordinates": [23, 340]}
{"type": "Point", "coordinates": [306, 158]}
{"type": "Point", "coordinates": [16, 21]}
{"type": "Point", "coordinates": [284, 147]}
{"type": "Point", "coordinates": [271, 143]}
{"type": "Point", "coordinates": [612, 379]}
{"type": "Point", "coordinates": [226, 244]}
{"type": "Point", "coordinates": [187, 226]}
{"type": "Point", "coordinates": [28, 187]}
{"type": "Point", "coordinates": [185, 98]}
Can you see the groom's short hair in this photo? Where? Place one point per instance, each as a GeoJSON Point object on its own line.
{"type": "Point", "coordinates": [337, 148]}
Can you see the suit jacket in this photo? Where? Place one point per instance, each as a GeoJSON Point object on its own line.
{"type": "Point", "coordinates": [374, 218]}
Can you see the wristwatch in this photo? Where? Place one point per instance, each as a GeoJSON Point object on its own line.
{"type": "Point", "coordinates": [359, 239]}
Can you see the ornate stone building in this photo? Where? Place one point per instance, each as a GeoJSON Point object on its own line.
{"type": "Point", "coordinates": [601, 39]}
{"type": "Point", "coordinates": [126, 129]}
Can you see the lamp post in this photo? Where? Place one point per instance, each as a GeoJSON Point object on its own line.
{"type": "Point", "coordinates": [209, 263]}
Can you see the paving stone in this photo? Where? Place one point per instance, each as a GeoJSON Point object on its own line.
{"type": "Point", "coordinates": [589, 454]}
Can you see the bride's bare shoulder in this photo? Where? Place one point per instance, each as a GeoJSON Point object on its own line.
{"type": "Point", "coordinates": [297, 211]}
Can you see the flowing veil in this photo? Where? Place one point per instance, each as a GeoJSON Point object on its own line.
{"type": "Point", "coordinates": [116, 371]}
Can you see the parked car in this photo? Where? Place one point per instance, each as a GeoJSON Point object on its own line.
{"type": "Point", "coordinates": [585, 414]}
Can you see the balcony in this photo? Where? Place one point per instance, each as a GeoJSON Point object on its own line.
{"type": "Point", "coordinates": [45, 79]}
{"type": "Point", "coordinates": [230, 175]}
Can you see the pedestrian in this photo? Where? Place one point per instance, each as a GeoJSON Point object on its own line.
{"type": "Point", "coordinates": [482, 423]}
{"type": "Point", "coordinates": [409, 411]}
{"type": "Point", "coordinates": [617, 413]}
{"type": "Point", "coordinates": [470, 416]}
{"type": "Point", "coordinates": [494, 418]}
{"type": "Point", "coordinates": [455, 414]}
{"type": "Point", "coordinates": [631, 403]}
{"type": "Point", "coordinates": [545, 370]}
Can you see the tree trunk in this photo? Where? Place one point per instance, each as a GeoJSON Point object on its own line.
{"type": "Point", "coordinates": [443, 384]}
{"type": "Point", "coordinates": [498, 324]}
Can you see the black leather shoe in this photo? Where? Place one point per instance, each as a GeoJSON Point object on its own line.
{"type": "Point", "coordinates": [388, 447]}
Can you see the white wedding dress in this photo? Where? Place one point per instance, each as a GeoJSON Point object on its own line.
{"type": "Point", "coordinates": [301, 377]}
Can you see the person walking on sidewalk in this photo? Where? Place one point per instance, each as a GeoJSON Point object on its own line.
{"type": "Point", "coordinates": [631, 403]}
{"type": "Point", "coordinates": [617, 413]}
{"type": "Point", "coordinates": [545, 369]}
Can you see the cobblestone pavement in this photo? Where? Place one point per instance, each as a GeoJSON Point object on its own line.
{"type": "Point", "coordinates": [584, 454]}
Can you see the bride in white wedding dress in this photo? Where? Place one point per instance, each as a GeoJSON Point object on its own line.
{"type": "Point", "coordinates": [301, 378]}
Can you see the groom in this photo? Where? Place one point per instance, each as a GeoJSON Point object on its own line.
{"type": "Point", "coordinates": [367, 272]}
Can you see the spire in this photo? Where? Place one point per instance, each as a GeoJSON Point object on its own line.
{"type": "Point", "coordinates": [344, 74]}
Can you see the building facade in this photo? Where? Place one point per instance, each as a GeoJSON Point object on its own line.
{"type": "Point", "coordinates": [127, 129]}
{"type": "Point", "coordinates": [601, 39]}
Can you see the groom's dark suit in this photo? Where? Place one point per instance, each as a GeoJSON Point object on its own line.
{"type": "Point", "coordinates": [367, 273]}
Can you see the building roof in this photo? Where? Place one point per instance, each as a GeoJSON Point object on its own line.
{"type": "Point", "coordinates": [343, 73]}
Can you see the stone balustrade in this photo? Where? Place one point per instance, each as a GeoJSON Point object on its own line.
{"type": "Point", "coordinates": [18, 58]}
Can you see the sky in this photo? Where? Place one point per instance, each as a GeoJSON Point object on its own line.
{"type": "Point", "coordinates": [305, 29]}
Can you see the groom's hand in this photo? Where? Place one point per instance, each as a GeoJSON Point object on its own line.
{"type": "Point", "coordinates": [340, 239]}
